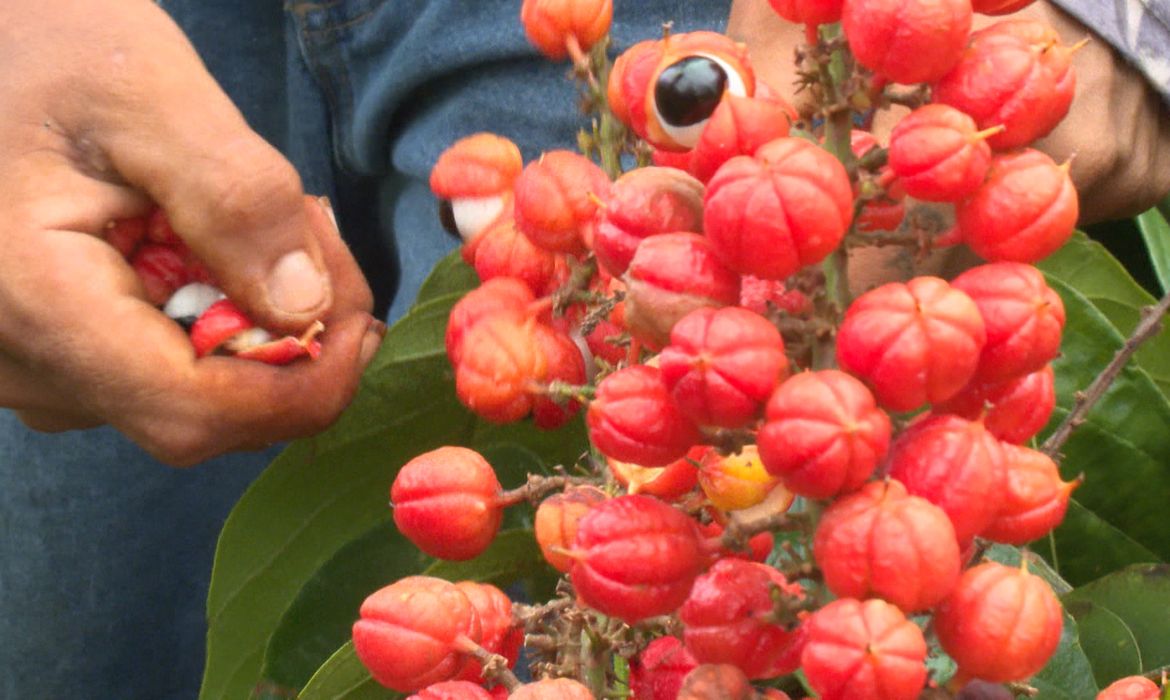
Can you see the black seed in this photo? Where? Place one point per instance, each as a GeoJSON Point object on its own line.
{"type": "Point", "coordinates": [689, 90]}
{"type": "Point", "coordinates": [186, 322]}
{"type": "Point", "coordinates": [447, 217]}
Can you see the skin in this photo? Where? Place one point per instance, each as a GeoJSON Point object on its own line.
{"type": "Point", "coordinates": [98, 120]}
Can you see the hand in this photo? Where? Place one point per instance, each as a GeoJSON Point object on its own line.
{"type": "Point", "coordinates": [1116, 132]}
{"type": "Point", "coordinates": [104, 112]}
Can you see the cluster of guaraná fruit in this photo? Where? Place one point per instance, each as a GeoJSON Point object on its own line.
{"type": "Point", "coordinates": [683, 307]}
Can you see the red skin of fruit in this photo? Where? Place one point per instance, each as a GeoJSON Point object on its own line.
{"type": "Point", "coordinates": [759, 547]}
{"type": "Point", "coordinates": [1018, 77]}
{"type": "Point", "coordinates": [885, 212]}
{"type": "Point", "coordinates": [628, 81]}
{"type": "Point", "coordinates": [499, 368]}
{"type": "Point", "coordinates": [633, 419]}
{"type": "Point", "coordinates": [1025, 210]}
{"type": "Point", "coordinates": [937, 154]}
{"type": "Point", "coordinates": [1131, 688]}
{"type": "Point", "coordinates": [550, 24]}
{"type": "Point", "coordinates": [452, 690]}
{"type": "Point", "coordinates": [479, 165]}
{"type": "Point", "coordinates": [499, 632]}
{"type": "Point", "coordinates": [1000, 623]}
{"type": "Point", "coordinates": [882, 542]}
{"type": "Point", "coordinates": [556, 522]}
{"type": "Point", "coordinates": [722, 365]}
{"type": "Point", "coordinates": [501, 295]}
{"type": "Point", "coordinates": [823, 434]}
{"type": "Point", "coordinates": [1013, 411]}
{"type": "Point", "coordinates": [864, 651]}
{"type": "Point", "coordinates": [642, 203]}
{"type": "Point", "coordinates": [739, 126]}
{"type": "Point", "coordinates": [668, 483]}
{"type": "Point", "coordinates": [502, 251]}
{"type": "Point", "coordinates": [556, 200]}
{"type": "Point", "coordinates": [219, 323]}
{"type": "Point", "coordinates": [125, 235]}
{"type": "Point", "coordinates": [552, 689]}
{"type": "Point", "coordinates": [411, 632]}
{"type": "Point", "coordinates": [722, 681]}
{"type": "Point", "coordinates": [1023, 316]}
{"type": "Point", "coordinates": [159, 230]}
{"type": "Point", "coordinates": [999, 7]}
{"type": "Point", "coordinates": [787, 207]}
{"type": "Point", "coordinates": [671, 275]}
{"type": "Point", "coordinates": [956, 465]}
{"type": "Point", "coordinates": [808, 11]}
{"type": "Point", "coordinates": [1035, 499]}
{"type": "Point", "coordinates": [161, 269]}
{"type": "Point", "coordinates": [223, 322]}
{"type": "Point", "coordinates": [563, 363]}
{"type": "Point", "coordinates": [907, 41]}
{"type": "Point", "coordinates": [724, 618]}
{"type": "Point", "coordinates": [657, 673]}
{"type": "Point", "coordinates": [445, 503]}
{"type": "Point", "coordinates": [913, 342]}
{"type": "Point", "coordinates": [761, 295]}
{"type": "Point", "coordinates": [636, 558]}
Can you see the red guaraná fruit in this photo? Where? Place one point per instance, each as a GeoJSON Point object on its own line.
{"type": "Point", "coordinates": [671, 275]}
{"type": "Point", "coordinates": [938, 155]}
{"type": "Point", "coordinates": [823, 433]}
{"type": "Point", "coordinates": [501, 295]}
{"type": "Point", "coordinates": [1025, 210]}
{"type": "Point", "coordinates": [668, 483]}
{"type": "Point", "coordinates": [1035, 499]}
{"type": "Point", "coordinates": [956, 465]}
{"type": "Point", "coordinates": [1131, 688]}
{"type": "Point", "coordinates": [658, 671]}
{"type": "Point", "coordinates": [999, 7]}
{"type": "Point", "coordinates": [1013, 411]}
{"type": "Point", "coordinates": [1000, 624]}
{"type": "Point", "coordinates": [808, 11]}
{"type": "Point", "coordinates": [636, 557]}
{"type": "Point", "coordinates": [882, 542]}
{"type": "Point", "coordinates": [224, 329]}
{"type": "Point", "coordinates": [739, 126]}
{"type": "Point", "coordinates": [473, 178]}
{"type": "Point", "coordinates": [500, 634]}
{"type": "Point", "coordinates": [1023, 316]}
{"type": "Point", "coordinates": [502, 251]}
{"type": "Point", "coordinates": [912, 342]}
{"type": "Point", "coordinates": [452, 690]}
{"type": "Point", "coordinates": [633, 419]}
{"type": "Point", "coordinates": [556, 201]}
{"type": "Point", "coordinates": [864, 651]}
{"type": "Point", "coordinates": [722, 681]}
{"type": "Point", "coordinates": [885, 211]}
{"type": "Point", "coordinates": [560, 28]}
{"type": "Point", "coordinates": [445, 502]}
{"type": "Point", "coordinates": [563, 363]}
{"type": "Point", "coordinates": [629, 80]}
{"type": "Point", "coordinates": [161, 270]}
{"type": "Point", "coordinates": [722, 365]}
{"type": "Point", "coordinates": [642, 203]}
{"type": "Point", "coordinates": [788, 206]}
{"type": "Point", "coordinates": [907, 41]}
{"type": "Point", "coordinates": [552, 689]}
{"type": "Point", "coordinates": [729, 617]}
{"type": "Point", "coordinates": [765, 297]}
{"type": "Point", "coordinates": [414, 633]}
{"type": "Point", "coordinates": [556, 522]}
{"type": "Point", "coordinates": [500, 365]}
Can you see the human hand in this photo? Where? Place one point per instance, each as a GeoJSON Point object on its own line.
{"type": "Point", "coordinates": [104, 113]}
{"type": "Point", "coordinates": [1116, 132]}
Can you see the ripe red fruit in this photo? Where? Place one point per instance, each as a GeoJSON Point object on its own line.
{"type": "Point", "coordinates": [823, 433]}
{"type": "Point", "coordinates": [502, 295]}
{"type": "Point", "coordinates": [722, 365]}
{"type": "Point", "coordinates": [502, 251]}
{"type": "Point", "coordinates": [563, 363]}
{"type": "Point", "coordinates": [636, 558]}
{"type": "Point", "coordinates": [787, 207]}
{"type": "Point", "coordinates": [1131, 688]}
{"type": "Point", "coordinates": [912, 342]}
{"type": "Point", "coordinates": [864, 651]}
{"type": "Point", "coordinates": [758, 547]}
{"type": "Point", "coordinates": [1013, 410]}
{"type": "Point", "coordinates": [999, 7]}
{"type": "Point", "coordinates": [657, 673]}
{"type": "Point", "coordinates": [956, 465]}
{"type": "Point", "coordinates": [552, 689]}
{"type": "Point", "coordinates": [553, 25]}
{"type": "Point", "coordinates": [556, 522]}
{"type": "Point", "coordinates": [224, 329]}
{"type": "Point", "coordinates": [1023, 316]}
{"type": "Point", "coordinates": [938, 155]}
{"type": "Point", "coordinates": [161, 270]}
{"type": "Point", "coordinates": [728, 618]}
{"type": "Point", "coordinates": [1035, 499]}
{"type": "Point", "coordinates": [886, 211]}
{"type": "Point", "coordinates": [124, 235]}
{"type": "Point", "coordinates": [452, 690]}
{"type": "Point", "coordinates": [633, 419]}
{"type": "Point", "coordinates": [739, 126]}
{"type": "Point", "coordinates": [499, 367]}
{"type": "Point", "coordinates": [808, 11]}
{"type": "Point", "coordinates": [722, 681]}
{"type": "Point", "coordinates": [738, 481]}
{"type": "Point", "coordinates": [671, 275]}
{"type": "Point", "coordinates": [500, 634]}
{"type": "Point", "coordinates": [907, 41]}
{"type": "Point", "coordinates": [668, 483]}
{"type": "Point", "coordinates": [883, 542]}
{"type": "Point", "coordinates": [642, 203]}
{"type": "Point", "coordinates": [629, 81]}
{"type": "Point", "coordinates": [1001, 623]}
{"type": "Point", "coordinates": [762, 296]}
{"type": "Point", "coordinates": [556, 201]}
{"type": "Point", "coordinates": [1025, 209]}
{"type": "Point", "coordinates": [445, 502]}
{"type": "Point", "coordinates": [474, 177]}
{"type": "Point", "coordinates": [411, 633]}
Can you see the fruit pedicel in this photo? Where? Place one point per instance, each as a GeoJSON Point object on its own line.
{"type": "Point", "coordinates": [789, 491]}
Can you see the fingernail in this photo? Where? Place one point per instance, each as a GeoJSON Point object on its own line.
{"type": "Point", "coordinates": [328, 207]}
{"type": "Point", "coordinates": [295, 285]}
{"type": "Point", "coordinates": [370, 345]}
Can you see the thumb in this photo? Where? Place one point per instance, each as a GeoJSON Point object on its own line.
{"type": "Point", "coordinates": [233, 199]}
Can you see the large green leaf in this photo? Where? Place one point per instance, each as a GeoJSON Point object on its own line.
{"type": "Point", "coordinates": [325, 492]}
{"type": "Point", "coordinates": [1125, 621]}
{"type": "Point", "coordinates": [343, 677]}
{"type": "Point", "coordinates": [1121, 448]}
{"type": "Point", "coordinates": [1156, 233]}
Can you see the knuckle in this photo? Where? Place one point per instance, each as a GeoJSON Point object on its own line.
{"type": "Point", "coordinates": [178, 444]}
{"type": "Point", "coordinates": [256, 184]}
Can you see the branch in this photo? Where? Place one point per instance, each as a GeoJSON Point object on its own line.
{"type": "Point", "coordinates": [1149, 326]}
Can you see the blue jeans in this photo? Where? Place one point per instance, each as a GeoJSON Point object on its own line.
{"type": "Point", "coordinates": [105, 555]}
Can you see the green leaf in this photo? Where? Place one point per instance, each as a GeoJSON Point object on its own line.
{"type": "Point", "coordinates": [1125, 620]}
{"type": "Point", "coordinates": [343, 677]}
{"type": "Point", "coordinates": [1068, 675]}
{"type": "Point", "coordinates": [1156, 233]}
{"type": "Point", "coordinates": [450, 276]}
{"type": "Point", "coordinates": [325, 492]}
